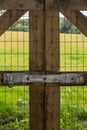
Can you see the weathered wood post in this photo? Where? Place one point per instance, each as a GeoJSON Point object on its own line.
{"type": "Point", "coordinates": [44, 59]}
{"type": "Point", "coordinates": [37, 93]}
{"type": "Point", "coordinates": [52, 65]}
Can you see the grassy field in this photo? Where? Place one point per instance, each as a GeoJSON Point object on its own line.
{"type": "Point", "coordinates": [73, 50]}
{"type": "Point", "coordinates": [14, 102]}
{"type": "Point", "coordinates": [14, 55]}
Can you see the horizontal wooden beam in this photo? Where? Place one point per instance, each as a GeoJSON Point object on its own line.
{"type": "Point", "coordinates": [8, 18]}
{"type": "Point", "coordinates": [39, 4]}
{"type": "Point", "coordinates": [77, 19]}
{"type": "Point", "coordinates": [20, 4]}
{"type": "Point", "coordinates": [66, 4]}
{"type": "Point", "coordinates": [74, 4]}
{"type": "Point", "coordinates": [83, 78]}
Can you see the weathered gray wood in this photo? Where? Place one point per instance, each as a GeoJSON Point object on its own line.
{"type": "Point", "coordinates": [77, 19]}
{"type": "Point", "coordinates": [8, 18]}
{"type": "Point", "coordinates": [36, 65]}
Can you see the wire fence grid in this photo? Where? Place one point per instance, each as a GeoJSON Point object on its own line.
{"type": "Point", "coordinates": [14, 55]}
{"type": "Point", "coordinates": [73, 57]}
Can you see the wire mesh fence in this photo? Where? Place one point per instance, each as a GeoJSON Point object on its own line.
{"type": "Point", "coordinates": [14, 56]}
{"type": "Point", "coordinates": [73, 57]}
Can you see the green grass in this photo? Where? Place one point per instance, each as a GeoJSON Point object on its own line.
{"type": "Point", "coordinates": [73, 50]}
{"type": "Point", "coordinates": [14, 102]}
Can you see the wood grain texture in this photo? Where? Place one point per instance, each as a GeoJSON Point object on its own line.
{"type": "Point", "coordinates": [36, 40]}
{"type": "Point", "coordinates": [52, 64]}
{"type": "Point", "coordinates": [36, 65]}
{"type": "Point", "coordinates": [8, 18]}
{"type": "Point", "coordinates": [20, 4]}
{"type": "Point", "coordinates": [77, 19]}
{"type": "Point", "coordinates": [52, 48]}
{"type": "Point", "coordinates": [66, 4]}
{"type": "Point", "coordinates": [39, 4]}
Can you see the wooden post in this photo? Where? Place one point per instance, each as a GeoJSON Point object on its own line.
{"type": "Point", "coordinates": [52, 64]}
{"type": "Point", "coordinates": [44, 58]}
{"type": "Point", "coordinates": [37, 67]}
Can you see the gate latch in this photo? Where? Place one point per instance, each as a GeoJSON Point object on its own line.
{"type": "Point", "coordinates": [11, 79]}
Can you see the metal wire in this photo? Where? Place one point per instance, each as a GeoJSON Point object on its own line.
{"type": "Point", "coordinates": [73, 57]}
{"type": "Point", "coordinates": [14, 55]}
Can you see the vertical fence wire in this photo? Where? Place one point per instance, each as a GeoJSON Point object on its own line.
{"type": "Point", "coordinates": [73, 57]}
{"type": "Point", "coordinates": [14, 55]}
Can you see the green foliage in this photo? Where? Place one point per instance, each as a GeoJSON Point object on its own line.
{"type": "Point", "coordinates": [67, 27]}
{"type": "Point", "coordinates": [71, 108]}
{"type": "Point", "coordinates": [14, 109]}
{"type": "Point", "coordinates": [20, 25]}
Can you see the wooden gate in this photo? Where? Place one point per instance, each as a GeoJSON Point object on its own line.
{"type": "Point", "coordinates": [45, 54]}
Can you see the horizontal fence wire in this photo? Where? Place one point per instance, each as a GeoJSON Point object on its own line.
{"type": "Point", "coordinates": [14, 56]}
{"type": "Point", "coordinates": [73, 57]}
